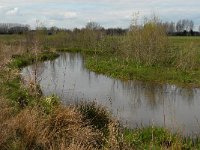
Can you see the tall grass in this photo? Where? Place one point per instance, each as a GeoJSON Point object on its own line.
{"type": "Point", "coordinates": [188, 58]}
{"type": "Point", "coordinates": [32, 129]}
{"type": "Point", "coordinates": [44, 123]}
{"type": "Point", "coordinates": [145, 44]}
{"type": "Point", "coordinates": [148, 44]}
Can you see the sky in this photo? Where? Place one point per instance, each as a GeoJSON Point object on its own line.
{"type": "Point", "coordinates": [108, 13]}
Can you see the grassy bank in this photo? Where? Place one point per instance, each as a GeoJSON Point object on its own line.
{"type": "Point", "coordinates": [144, 54]}
{"type": "Point", "coordinates": [20, 61]}
{"type": "Point", "coordinates": [117, 66]}
{"type": "Point", "coordinates": [28, 120]}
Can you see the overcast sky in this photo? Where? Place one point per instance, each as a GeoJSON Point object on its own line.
{"type": "Point", "coordinates": [109, 13]}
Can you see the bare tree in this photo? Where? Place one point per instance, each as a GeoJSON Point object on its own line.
{"type": "Point", "coordinates": [169, 27]}
{"type": "Point", "coordinates": [179, 26]}
{"type": "Point", "coordinates": [184, 25]}
{"type": "Point", "coordinates": [191, 24]}
{"type": "Point", "coordinates": [93, 26]}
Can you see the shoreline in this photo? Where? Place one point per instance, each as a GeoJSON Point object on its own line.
{"type": "Point", "coordinates": [135, 137]}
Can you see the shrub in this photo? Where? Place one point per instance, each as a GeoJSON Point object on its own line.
{"type": "Point", "coordinates": [148, 44]}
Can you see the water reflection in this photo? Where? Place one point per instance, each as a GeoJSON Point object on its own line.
{"type": "Point", "coordinates": [134, 103]}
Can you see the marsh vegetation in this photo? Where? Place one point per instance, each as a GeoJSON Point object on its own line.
{"type": "Point", "coordinates": [29, 120]}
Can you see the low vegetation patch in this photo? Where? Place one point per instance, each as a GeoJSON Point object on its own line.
{"type": "Point", "coordinates": [129, 69]}
{"type": "Point", "coordinates": [96, 115]}
{"type": "Point", "coordinates": [20, 61]}
{"type": "Point", "coordinates": [28, 120]}
{"type": "Point", "coordinates": [144, 53]}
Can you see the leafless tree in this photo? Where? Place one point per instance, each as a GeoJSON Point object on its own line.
{"type": "Point", "coordinates": [169, 27]}
{"type": "Point", "coordinates": [184, 24]}
{"type": "Point", "coordinates": [13, 28]}
{"type": "Point", "coordinates": [191, 24]}
{"type": "Point", "coordinates": [179, 26]}
{"type": "Point", "coordinates": [93, 26]}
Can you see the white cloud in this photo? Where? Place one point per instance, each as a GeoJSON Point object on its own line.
{"type": "Point", "coordinates": [109, 13]}
{"type": "Point", "coordinates": [58, 15]}
{"type": "Point", "coordinates": [13, 11]}
{"type": "Point", "coordinates": [70, 15]}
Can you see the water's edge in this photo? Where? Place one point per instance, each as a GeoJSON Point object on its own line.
{"type": "Point", "coordinates": [134, 103]}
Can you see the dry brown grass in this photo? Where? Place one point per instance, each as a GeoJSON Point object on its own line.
{"type": "Point", "coordinates": [63, 129]}
{"type": "Point", "coordinates": [6, 113]}
{"type": "Point", "coordinates": [115, 138]}
{"type": "Point", "coordinates": [7, 50]}
{"type": "Point", "coordinates": [31, 128]}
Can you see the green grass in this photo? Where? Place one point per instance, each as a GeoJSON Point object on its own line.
{"type": "Point", "coordinates": [144, 138]}
{"type": "Point", "coordinates": [12, 88]}
{"type": "Point", "coordinates": [158, 138]}
{"type": "Point", "coordinates": [113, 64]}
{"type": "Point", "coordinates": [72, 50]}
{"type": "Point", "coordinates": [117, 67]}
{"type": "Point", "coordinates": [20, 61]}
{"type": "Point", "coordinates": [87, 52]}
{"type": "Point", "coordinates": [11, 37]}
{"type": "Point", "coordinates": [18, 95]}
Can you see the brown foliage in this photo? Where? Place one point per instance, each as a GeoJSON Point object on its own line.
{"type": "Point", "coordinates": [32, 129]}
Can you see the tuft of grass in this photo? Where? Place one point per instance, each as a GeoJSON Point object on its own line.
{"type": "Point", "coordinates": [32, 129]}
{"type": "Point", "coordinates": [145, 137]}
{"type": "Point", "coordinates": [49, 103]}
{"type": "Point", "coordinates": [96, 115]}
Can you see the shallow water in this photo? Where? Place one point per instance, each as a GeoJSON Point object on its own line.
{"type": "Point", "coordinates": [134, 103]}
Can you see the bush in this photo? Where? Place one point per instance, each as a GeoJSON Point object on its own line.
{"type": "Point", "coordinates": [148, 44]}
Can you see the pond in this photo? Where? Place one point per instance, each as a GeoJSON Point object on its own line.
{"type": "Point", "coordinates": [134, 103]}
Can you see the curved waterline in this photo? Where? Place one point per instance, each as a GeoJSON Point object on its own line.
{"type": "Point", "coordinates": [134, 103]}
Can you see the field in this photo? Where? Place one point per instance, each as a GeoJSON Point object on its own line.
{"type": "Point", "coordinates": [28, 120]}
{"type": "Point", "coordinates": [115, 65]}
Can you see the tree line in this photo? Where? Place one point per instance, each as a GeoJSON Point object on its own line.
{"type": "Point", "coordinates": [13, 28]}
{"type": "Point", "coordinates": [183, 27]}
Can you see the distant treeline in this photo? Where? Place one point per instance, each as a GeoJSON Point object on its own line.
{"type": "Point", "coordinates": [109, 31]}
{"type": "Point", "coordinates": [184, 27]}
{"type": "Point", "coordinates": [13, 28]}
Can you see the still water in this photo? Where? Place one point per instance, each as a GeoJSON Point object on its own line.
{"type": "Point", "coordinates": [134, 103]}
